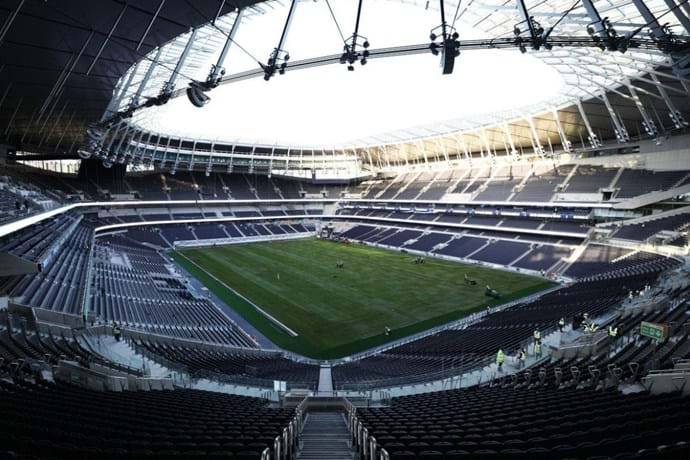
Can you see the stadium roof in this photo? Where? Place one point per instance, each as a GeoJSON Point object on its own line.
{"type": "Point", "coordinates": [631, 90]}
{"type": "Point", "coordinates": [47, 45]}
{"type": "Point", "coordinates": [397, 98]}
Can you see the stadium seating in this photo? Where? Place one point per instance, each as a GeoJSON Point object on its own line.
{"type": "Point", "coordinates": [12, 206]}
{"type": "Point", "coordinates": [590, 179]}
{"type": "Point", "coordinates": [528, 252]}
{"type": "Point", "coordinates": [57, 420]}
{"type": "Point", "coordinates": [238, 366]}
{"type": "Point", "coordinates": [61, 286]}
{"type": "Point", "coordinates": [541, 187]}
{"type": "Point", "coordinates": [634, 182]}
{"type": "Point", "coordinates": [496, 422]}
{"type": "Point", "coordinates": [642, 231]}
{"type": "Point", "coordinates": [23, 349]}
{"type": "Point", "coordinates": [130, 282]}
{"type": "Point", "coordinates": [477, 421]}
{"type": "Point", "coordinates": [605, 259]}
{"type": "Point", "coordinates": [38, 241]}
{"type": "Point", "coordinates": [132, 287]}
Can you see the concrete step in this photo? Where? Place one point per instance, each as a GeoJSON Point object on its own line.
{"type": "Point", "coordinates": [325, 437]}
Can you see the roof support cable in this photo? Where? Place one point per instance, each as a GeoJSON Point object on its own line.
{"type": "Point", "coordinates": [335, 20]}
{"type": "Point", "coordinates": [457, 11]}
{"type": "Point", "coordinates": [68, 126]}
{"type": "Point", "coordinates": [148, 27]}
{"type": "Point", "coordinates": [661, 34]}
{"type": "Point", "coordinates": [14, 115]}
{"type": "Point", "coordinates": [10, 20]}
{"type": "Point", "coordinates": [602, 31]}
{"type": "Point", "coordinates": [107, 39]}
{"type": "Point", "coordinates": [69, 68]}
{"type": "Point", "coordinates": [351, 52]}
{"type": "Point", "coordinates": [277, 61]}
{"type": "Point", "coordinates": [537, 34]}
{"type": "Point", "coordinates": [563, 16]}
{"type": "Point", "coordinates": [4, 95]}
{"type": "Point", "coordinates": [449, 45]}
{"type": "Point", "coordinates": [215, 26]}
{"type": "Point", "coordinates": [682, 18]}
{"type": "Point", "coordinates": [220, 10]}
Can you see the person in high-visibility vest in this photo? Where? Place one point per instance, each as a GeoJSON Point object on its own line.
{"type": "Point", "coordinates": [591, 327]}
{"type": "Point", "coordinates": [613, 332]}
{"type": "Point", "coordinates": [500, 359]}
{"type": "Point", "coordinates": [537, 336]}
{"type": "Point", "coordinates": [537, 349]}
{"type": "Point", "coordinates": [561, 324]}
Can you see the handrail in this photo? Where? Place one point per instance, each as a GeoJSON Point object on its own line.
{"type": "Point", "coordinates": [286, 445]}
{"type": "Point", "coordinates": [364, 444]}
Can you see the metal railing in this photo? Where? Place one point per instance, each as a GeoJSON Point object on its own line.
{"type": "Point", "coordinates": [286, 445]}
{"type": "Point", "coordinates": [364, 443]}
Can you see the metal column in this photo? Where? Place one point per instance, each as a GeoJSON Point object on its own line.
{"type": "Point", "coordinates": [591, 137]}
{"type": "Point", "coordinates": [538, 148]}
{"type": "Point", "coordinates": [565, 143]}
{"type": "Point", "coordinates": [621, 132]}
{"type": "Point", "coordinates": [673, 112]}
{"type": "Point", "coordinates": [647, 122]}
{"type": "Point", "coordinates": [217, 70]}
{"type": "Point", "coordinates": [147, 76]}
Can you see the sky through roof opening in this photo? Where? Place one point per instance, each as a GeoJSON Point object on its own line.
{"type": "Point", "coordinates": [385, 100]}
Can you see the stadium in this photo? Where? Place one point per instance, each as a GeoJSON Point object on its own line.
{"type": "Point", "coordinates": [331, 230]}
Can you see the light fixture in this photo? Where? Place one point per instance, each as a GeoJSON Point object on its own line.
{"type": "Point", "coordinates": [196, 93]}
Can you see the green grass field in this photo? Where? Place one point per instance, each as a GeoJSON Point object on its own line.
{"type": "Point", "coordinates": [339, 311]}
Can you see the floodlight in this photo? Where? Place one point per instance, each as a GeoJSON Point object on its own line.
{"type": "Point", "coordinates": [84, 154]}
{"type": "Point", "coordinates": [196, 94]}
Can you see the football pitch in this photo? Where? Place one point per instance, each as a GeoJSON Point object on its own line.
{"type": "Point", "coordinates": [335, 311]}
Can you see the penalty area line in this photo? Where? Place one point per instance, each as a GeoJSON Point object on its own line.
{"type": "Point", "coordinates": [270, 317]}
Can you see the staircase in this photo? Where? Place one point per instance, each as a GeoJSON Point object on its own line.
{"type": "Point", "coordinates": [325, 437]}
{"type": "Point", "coordinates": [325, 387]}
